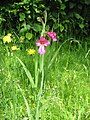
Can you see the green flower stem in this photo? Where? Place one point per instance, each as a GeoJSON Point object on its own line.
{"type": "Point", "coordinates": [41, 87]}
{"type": "Point", "coordinates": [36, 72]}
{"type": "Point", "coordinates": [44, 23]}
{"type": "Point", "coordinates": [41, 71]}
{"type": "Point", "coordinates": [43, 30]}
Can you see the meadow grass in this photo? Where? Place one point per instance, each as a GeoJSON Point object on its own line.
{"type": "Point", "coordinates": [66, 92]}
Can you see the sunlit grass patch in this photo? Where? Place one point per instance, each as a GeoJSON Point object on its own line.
{"type": "Point", "coordinates": [66, 93]}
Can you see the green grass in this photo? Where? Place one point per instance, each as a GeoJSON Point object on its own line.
{"type": "Point", "coordinates": [66, 92]}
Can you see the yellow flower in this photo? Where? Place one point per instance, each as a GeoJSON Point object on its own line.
{"type": "Point", "coordinates": [31, 51]}
{"type": "Point", "coordinates": [14, 48]}
{"type": "Point", "coordinates": [7, 38]}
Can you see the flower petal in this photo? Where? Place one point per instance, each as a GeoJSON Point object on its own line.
{"type": "Point", "coordinates": [54, 39]}
{"type": "Point", "coordinates": [42, 41]}
{"type": "Point", "coordinates": [38, 43]}
{"type": "Point", "coordinates": [41, 50]}
{"type": "Point", "coordinates": [52, 35]}
{"type": "Point", "coordinates": [46, 44]}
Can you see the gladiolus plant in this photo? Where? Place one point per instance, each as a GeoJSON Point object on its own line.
{"type": "Point", "coordinates": [36, 82]}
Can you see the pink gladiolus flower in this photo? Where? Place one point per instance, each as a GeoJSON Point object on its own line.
{"type": "Point", "coordinates": [52, 35]}
{"type": "Point", "coordinates": [42, 42]}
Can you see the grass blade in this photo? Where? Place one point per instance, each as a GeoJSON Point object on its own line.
{"type": "Point", "coordinates": [27, 105]}
{"type": "Point", "coordinates": [27, 73]}
{"type": "Point", "coordinates": [56, 53]}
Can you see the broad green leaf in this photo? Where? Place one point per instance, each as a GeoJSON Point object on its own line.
{"type": "Point", "coordinates": [28, 27]}
{"type": "Point", "coordinates": [28, 36]}
{"type": "Point", "coordinates": [61, 27]}
{"type": "Point", "coordinates": [63, 6]}
{"type": "Point", "coordinates": [37, 11]}
{"type": "Point", "coordinates": [23, 30]}
{"type": "Point", "coordinates": [37, 27]}
{"type": "Point", "coordinates": [56, 25]}
{"type": "Point", "coordinates": [22, 16]}
{"type": "Point", "coordinates": [81, 26]}
{"type": "Point", "coordinates": [78, 16]}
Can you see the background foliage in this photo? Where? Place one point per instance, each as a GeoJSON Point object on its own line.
{"type": "Point", "coordinates": [22, 17]}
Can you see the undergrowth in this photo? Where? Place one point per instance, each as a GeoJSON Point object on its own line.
{"type": "Point", "coordinates": [66, 93]}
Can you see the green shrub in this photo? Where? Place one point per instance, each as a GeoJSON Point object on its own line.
{"type": "Point", "coordinates": [21, 17]}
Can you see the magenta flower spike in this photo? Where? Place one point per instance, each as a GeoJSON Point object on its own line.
{"type": "Point", "coordinates": [52, 35]}
{"type": "Point", "coordinates": [42, 42]}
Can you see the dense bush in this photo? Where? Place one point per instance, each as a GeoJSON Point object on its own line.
{"type": "Point", "coordinates": [22, 17]}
